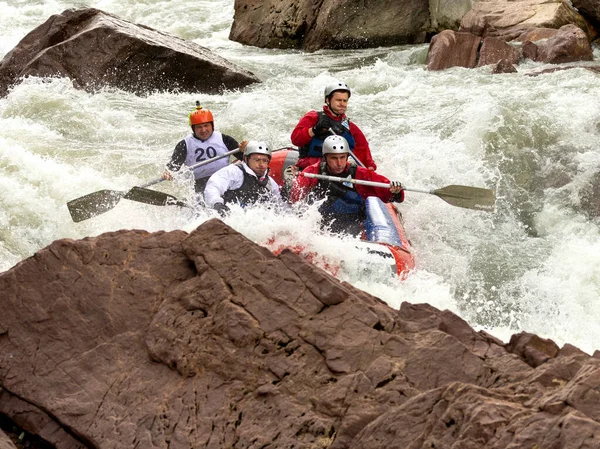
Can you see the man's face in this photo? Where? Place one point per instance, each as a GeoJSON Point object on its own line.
{"type": "Point", "coordinates": [203, 131]}
{"type": "Point", "coordinates": [336, 163]}
{"type": "Point", "coordinates": [338, 102]}
{"type": "Point", "coordinates": [258, 163]}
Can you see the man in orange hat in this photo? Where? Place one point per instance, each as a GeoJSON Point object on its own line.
{"type": "Point", "coordinates": [201, 144]}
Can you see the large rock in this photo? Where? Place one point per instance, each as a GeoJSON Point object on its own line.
{"type": "Point", "coordinates": [452, 49]}
{"type": "Point", "coordinates": [447, 14]}
{"type": "Point", "coordinates": [97, 49]}
{"type": "Point", "coordinates": [169, 339]}
{"type": "Point", "coordinates": [569, 44]}
{"type": "Point", "coordinates": [507, 19]}
{"type": "Point", "coordinates": [311, 25]}
{"type": "Point", "coordinates": [494, 50]}
{"type": "Point", "coordinates": [590, 9]}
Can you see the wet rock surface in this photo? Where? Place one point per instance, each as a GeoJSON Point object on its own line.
{"type": "Point", "coordinates": [96, 49]}
{"type": "Point", "coordinates": [170, 339]}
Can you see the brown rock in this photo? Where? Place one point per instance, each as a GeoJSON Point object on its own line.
{"type": "Point", "coordinates": [452, 49]}
{"type": "Point", "coordinates": [508, 19]}
{"type": "Point", "coordinates": [469, 417]}
{"type": "Point", "coordinates": [537, 34]}
{"type": "Point", "coordinates": [533, 349]}
{"type": "Point", "coordinates": [504, 66]}
{"type": "Point", "coordinates": [169, 339]}
{"type": "Point", "coordinates": [494, 50]}
{"type": "Point", "coordinates": [530, 50]}
{"type": "Point", "coordinates": [97, 49]}
{"type": "Point", "coordinates": [568, 45]}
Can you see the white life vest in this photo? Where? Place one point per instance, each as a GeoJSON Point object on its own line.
{"type": "Point", "coordinates": [198, 151]}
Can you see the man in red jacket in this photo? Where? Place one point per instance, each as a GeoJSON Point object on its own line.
{"type": "Point", "coordinates": [344, 207]}
{"type": "Point", "coordinates": [314, 127]}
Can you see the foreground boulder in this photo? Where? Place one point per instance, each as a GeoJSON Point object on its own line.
{"type": "Point", "coordinates": [97, 49]}
{"type": "Point", "coordinates": [176, 340]}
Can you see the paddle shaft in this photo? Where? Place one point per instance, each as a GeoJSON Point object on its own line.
{"type": "Point", "coordinates": [353, 181]}
{"type": "Point", "coordinates": [193, 167]}
{"type": "Point", "coordinates": [461, 196]}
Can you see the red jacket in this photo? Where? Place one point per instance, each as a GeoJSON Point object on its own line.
{"type": "Point", "coordinates": [300, 137]}
{"type": "Point", "coordinates": [303, 185]}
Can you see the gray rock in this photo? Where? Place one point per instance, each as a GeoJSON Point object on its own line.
{"type": "Point", "coordinates": [337, 24]}
{"type": "Point", "coordinates": [97, 49]}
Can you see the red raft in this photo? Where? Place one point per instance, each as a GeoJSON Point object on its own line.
{"type": "Point", "coordinates": [383, 231]}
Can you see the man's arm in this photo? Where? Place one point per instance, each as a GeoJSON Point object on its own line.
{"type": "Point", "coordinates": [383, 193]}
{"type": "Point", "coordinates": [361, 147]}
{"type": "Point", "coordinates": [275, 191]}
{"type": "Point", "coordinates": [302, 133]}
{"type": "Point", "coordinates": [178, 157]}
{"type": "Point", "coordinates": [232, 144]}
{"type": "Point", "coordinates": [220, 182]}
{"type": "Point", "coordinates": [303, 185]}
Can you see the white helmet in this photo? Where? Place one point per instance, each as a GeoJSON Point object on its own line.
{"type": "Point", "coordinates": [257, 147]}
{"type": "Point", "coordinates": [335, 145]}
{"type": "Point", "coordinates": [335, 86]}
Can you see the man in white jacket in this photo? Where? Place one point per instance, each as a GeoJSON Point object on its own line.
{"type": "Point", "coordinates": [244, 183]}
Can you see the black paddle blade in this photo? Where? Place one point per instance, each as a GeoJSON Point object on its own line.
{"type": "Point", "coordinates": [93, 204]}
{"type": "Point", "coordinates": [147, 196]}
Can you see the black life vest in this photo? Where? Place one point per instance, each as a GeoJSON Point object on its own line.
{"type": "Point", "coordinates": [314, 148]}
{"type": "Point", "coordinates": [252, 190]}
{"type": "Point", "coordinates": [340, 199]}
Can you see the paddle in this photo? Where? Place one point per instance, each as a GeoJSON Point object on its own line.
{"type": "Point", "coordinates": [153, 197]}
{"type": "Point", "coordinates": [460, 196]}
{"type": "Point", "coordinates": [102, 201]}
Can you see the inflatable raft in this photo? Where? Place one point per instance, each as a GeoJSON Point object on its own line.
{"type": "Point", "coordinates": [383, 234]}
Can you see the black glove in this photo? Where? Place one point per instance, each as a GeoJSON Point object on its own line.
{"type": "Point", "coordinates": [321, 128]}
{"type": "Point", "coordinates": [337, 127]}
{"type": "Point", "coordinates": [397, 197]}
{"type": "Point", "coordinates": [221, 208]}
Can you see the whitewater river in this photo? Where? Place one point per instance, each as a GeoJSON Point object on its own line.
{"type": "Point", "coordinates": [533, 265]}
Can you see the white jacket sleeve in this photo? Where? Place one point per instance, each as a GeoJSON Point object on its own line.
{"type": "Point", "coordinates": [227, 178]}
{"type": "Point", "coordinates": [275, 191]}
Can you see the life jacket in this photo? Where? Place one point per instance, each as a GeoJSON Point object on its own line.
{"type": "Point", "coordinates": [314, 148]}
{"type": "Point", "coordinates": [199, 151]}
{"type": "Point", "coordinates": [340, 199]}
{"type": "Point", "coordinates": [252, 190]}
